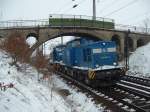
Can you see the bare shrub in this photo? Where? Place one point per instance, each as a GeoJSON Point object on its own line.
{"type": "Point", "coordinates": [17, 47]}
{"type": "Point", "coordinates": [41, 63]}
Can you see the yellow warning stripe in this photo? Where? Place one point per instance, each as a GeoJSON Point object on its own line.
{"type": "Point", "coordinates": [91, 74]}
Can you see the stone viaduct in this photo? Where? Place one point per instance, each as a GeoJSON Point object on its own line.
{"type": "Point", "coordinates": [46, 33]}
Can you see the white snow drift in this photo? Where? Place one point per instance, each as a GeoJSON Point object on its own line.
{"type": "Point", "coordinates": [139, 62]}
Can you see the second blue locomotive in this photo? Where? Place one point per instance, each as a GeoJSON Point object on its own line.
{"type": "Point", "coordinates": [94, 62]}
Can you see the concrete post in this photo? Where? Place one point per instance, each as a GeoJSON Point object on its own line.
{"type": "Point", "coordinates": [134, 44]}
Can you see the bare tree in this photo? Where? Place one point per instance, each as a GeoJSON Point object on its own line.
{"type": "Point", "coordinates": [41, 63]}
{"type": "Point", "coordinates": [146, 23]}
{"type": "Point", "coordinates": [17, 47]}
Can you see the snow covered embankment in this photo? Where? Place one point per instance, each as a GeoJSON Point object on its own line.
{"type": "Point", "coordinates": [28, 95]}
{"type": "Point", "coordinates": [139, 62]}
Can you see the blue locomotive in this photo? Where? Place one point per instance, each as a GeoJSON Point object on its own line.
{"type": "Point", "coordinates": [58, 53]}
{"type": "Point", "coordinates": [94, 62]}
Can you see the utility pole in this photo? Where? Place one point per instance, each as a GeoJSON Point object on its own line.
{"type": "Point", "coordinates": [37, 30]}
{"type": "Point", "coordinates": [126, 48]}
{"type": "Point", "coordinates": [94, 10]}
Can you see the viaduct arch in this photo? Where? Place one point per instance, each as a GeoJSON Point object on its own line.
{"type": "Point", "coordinates": [43, 34]}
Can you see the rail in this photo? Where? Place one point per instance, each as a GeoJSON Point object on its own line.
{"type": "Point", "coordinates": [74, 21]}
{"type": "Point", "coordinates": [116, 99]}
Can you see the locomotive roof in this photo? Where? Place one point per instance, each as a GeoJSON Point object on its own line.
{"type": "Point", "coordinates": [78, 39]}
{"type": "Point", "coordinates": [58, 46]}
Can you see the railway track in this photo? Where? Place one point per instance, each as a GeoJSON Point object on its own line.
{"type": "Point", "coordinates": [120, 98]}
{"type": "Point", "coordinates": [140, 88]}
{"type": "Point", "coordinates": [97, 96]}
{"type": "Point", "coordinates": [138, 80]}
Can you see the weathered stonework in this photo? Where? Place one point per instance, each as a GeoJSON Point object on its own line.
{"type": "Point", "coordinates": [44, 34]}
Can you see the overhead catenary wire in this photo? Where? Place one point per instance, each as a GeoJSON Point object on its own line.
{"type": "Point", "coordinates": [139, 17]}
{"type": "Point", "coordinates": [74, 6]}
{"type": "Point", "coordinates": [142, 21]}
{"type": "Point", "coordinates": [82, 1]}
{"type": "Point", "coordinates": [67, 9]}
{"type": "Point", "coordinates": [107, 6]}
{"type": "Point", "coordinates": [123, 7]}
{"type": "Point", "coordinates": [64, 5]}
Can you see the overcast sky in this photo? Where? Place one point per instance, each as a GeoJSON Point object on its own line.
{"type": "Point", "coordinates": [131, 12]}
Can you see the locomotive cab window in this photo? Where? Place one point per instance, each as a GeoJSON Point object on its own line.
{"type": "Point", "coordinates": [87, 55]}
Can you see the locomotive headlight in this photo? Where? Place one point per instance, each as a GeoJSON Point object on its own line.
{"type": "Point", "coordinates": [104, 43]}
{"type": "Point", "coordinates": [97, 65]}
{"type": "Point", "coordinates": [115, 63]}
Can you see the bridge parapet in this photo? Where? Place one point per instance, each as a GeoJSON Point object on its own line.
{"type": "Point", "coordinates": [81, 17]}
{"type": "Point", "coordinates": [60, 20]}
{"type": "Point", "coordinates": [23, 23]}
{"type": "Point", "coordinates": [80, 21]}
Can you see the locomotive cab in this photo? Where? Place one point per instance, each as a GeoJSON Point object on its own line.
{"type": "Point", "coordinates": [99, 54]}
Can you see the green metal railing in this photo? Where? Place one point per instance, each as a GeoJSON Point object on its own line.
{"type": "Point", "coordinates": [61, 20]}
{"type": "Point", "coordinates": [80, 21]}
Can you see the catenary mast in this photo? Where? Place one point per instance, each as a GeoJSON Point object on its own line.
{"type": "Point", "coordinates": [94, 10]}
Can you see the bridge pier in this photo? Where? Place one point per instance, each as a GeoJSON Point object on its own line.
{"type": "Point", "coordinates": [122, 48]}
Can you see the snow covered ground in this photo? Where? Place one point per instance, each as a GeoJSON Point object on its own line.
{"type": "Point", "coordinates": [29, 95]}
{"type": "Point", "coordinates": [139, 62]}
